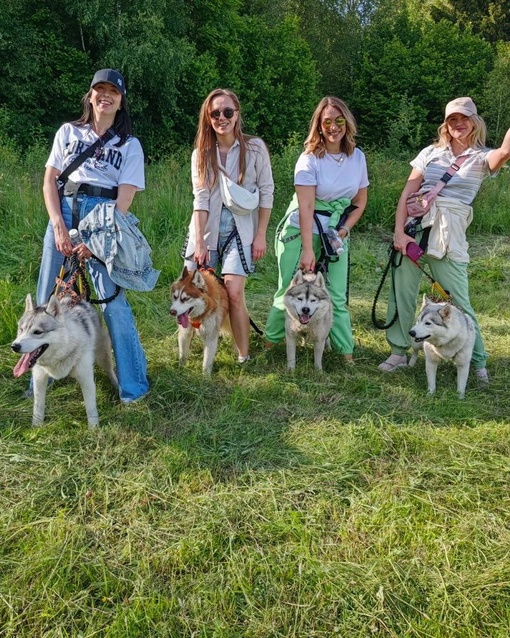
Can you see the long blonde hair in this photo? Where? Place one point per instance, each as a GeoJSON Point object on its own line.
{"type": "Point", "coordinates": [476, 138]}
{"type": "Point", "coordinates": [205, 140]}
{"type": "Point", "coordinates": [315, 144]}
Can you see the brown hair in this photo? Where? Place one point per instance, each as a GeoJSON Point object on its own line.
{"type": "Point", "coordinates": [205, 140]}
{"type": "Point", "coordinates": [314, 143]}
{"type": "Point", "coordinates": [476, 138]}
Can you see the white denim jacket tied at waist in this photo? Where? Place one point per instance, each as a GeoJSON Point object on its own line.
{"type": "Point", "coordinates": [448, 220]}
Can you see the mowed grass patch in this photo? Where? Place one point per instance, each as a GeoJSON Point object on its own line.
{"type": "Point", "coordinates": [257, 502]}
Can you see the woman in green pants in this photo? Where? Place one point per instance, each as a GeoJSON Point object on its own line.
{"type": "Point", "coordinates": [330, 175]}
{"type": "Point", "coordinates": [462, 134]}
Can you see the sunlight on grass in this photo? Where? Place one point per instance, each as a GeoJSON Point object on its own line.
{"type": "Point", "coordinates": [257, 502]}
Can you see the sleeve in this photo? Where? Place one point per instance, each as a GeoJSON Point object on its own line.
{"type": "Point", "coordinates": [264, 172]}
{"type": "Point", "coordinates": [486, 168]}
{"type": "Point", "coordinates": [56, 158]}
{"type": "Point", "coordinates": [201, 194]}
{"type": "Point", "coordinates": [133, 169]}
{"type": "Point", "coordinates": [422, 159]}
{"type": "Point", "coordinates": [364, 182]}
{"type": "Point", "coordinates": [305, 173]}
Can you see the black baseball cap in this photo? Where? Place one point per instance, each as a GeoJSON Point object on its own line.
{"type": "Point", "coordinates": [112, 77]}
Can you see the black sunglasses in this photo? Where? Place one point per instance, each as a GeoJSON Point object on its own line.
{"type": "Point", "coordinates": [228, 113]}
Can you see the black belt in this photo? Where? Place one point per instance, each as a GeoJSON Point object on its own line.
{"type": "Point", "coordinates": [71, 189]}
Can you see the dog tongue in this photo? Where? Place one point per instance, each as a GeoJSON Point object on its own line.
{"type": "Point", "coordinates": [183, 320]}
{"type": "Point", "coordinates": [23, 365]}
{"type": "Point", "coordinates": [304, 318]}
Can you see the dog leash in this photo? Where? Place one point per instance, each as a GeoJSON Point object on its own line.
{"type": "Point", "coordinates": [74, 282]}
{"type": "Point", "coordinates": [436, 287]}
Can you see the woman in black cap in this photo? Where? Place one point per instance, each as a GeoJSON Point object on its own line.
{"type": "Point", "coordinates": [115, 171]}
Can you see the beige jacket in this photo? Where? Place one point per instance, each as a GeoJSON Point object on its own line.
{"type": "Point", "coordinates": [257, 174]}
{"type": "Point", "coordinates": [449, 220]}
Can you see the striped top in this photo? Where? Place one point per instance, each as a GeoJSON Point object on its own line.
{"type": "Point", "coordinates": [432, 162]}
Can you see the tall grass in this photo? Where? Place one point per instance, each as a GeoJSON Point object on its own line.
{"type": "Point", "coordinates": [256, 503]}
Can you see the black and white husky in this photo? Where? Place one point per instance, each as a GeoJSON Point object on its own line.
{"type": "Point", "coordinates": [444, 332]}
{"type": "Point", "coordinates": [309, 314]}
{"type": "Point", "coordinates": [60, 339]}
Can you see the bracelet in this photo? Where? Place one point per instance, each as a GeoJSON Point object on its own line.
{"type": "Point", "coordinates": [347, 230]}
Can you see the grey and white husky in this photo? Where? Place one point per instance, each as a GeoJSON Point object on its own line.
{"type": "Point", "coordinates": [309, 314]}
{"type": "Point", "coordinates": [444, 332]}
{"type": "Point", "coordinates": [60, 339]}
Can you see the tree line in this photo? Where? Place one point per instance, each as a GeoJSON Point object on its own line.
{"type": "Point", "coordinates": [395, 62]}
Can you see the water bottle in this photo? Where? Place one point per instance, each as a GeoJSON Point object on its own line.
{"type": "Point", "coordinates": [335, 240]}
{"type": "Point", "coordinates": [75, 237]}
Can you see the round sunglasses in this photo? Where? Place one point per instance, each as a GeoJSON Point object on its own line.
{"type": "Point", "coordinates": [338, 121]}
{"type": "Point", "coordinates": [228, 113]}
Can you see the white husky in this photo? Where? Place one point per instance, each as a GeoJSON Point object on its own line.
{"type": "Point", "coordinates": [60, 339]}
{"type": "Point", "coordinates": [444, 332]}
{"type": "Point", "coordinates": [309, 313]}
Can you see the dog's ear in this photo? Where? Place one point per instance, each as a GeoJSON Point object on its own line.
{"type": "Point", "coordinates": [53, 308]}
{"type": "Point", "coordinates": [198, 280]}
{"type": "Point", "coordinates": [29, 303]}
{"type": "Point", "coordinates": [298, 277]}
{"type": "Point", "coordinates": [319, 280]}
{"type": "Point", "coordinates": [184, 272]}
{"type": "Point", "coordinates": [445, 311]}
{"type": "Point", "coordinates": [425, 301]}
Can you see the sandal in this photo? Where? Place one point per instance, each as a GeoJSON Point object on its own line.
{"type": "Point", "coordinates": [393, 362]}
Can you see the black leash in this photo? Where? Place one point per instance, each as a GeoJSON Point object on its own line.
{"type": "Point", "coordinates": [444, 294]}
{"type": "Point", "coordinates": [380, 325]}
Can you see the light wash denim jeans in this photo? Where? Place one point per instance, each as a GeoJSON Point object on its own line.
{"type": "Point", "coordinates": [130, 359]}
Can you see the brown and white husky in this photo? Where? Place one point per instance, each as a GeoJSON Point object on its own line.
{"type": "Point", "coordinates": [200, 304]}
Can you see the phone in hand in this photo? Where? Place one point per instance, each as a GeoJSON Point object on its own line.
{"type": "Point", "coordinates": [413, 251]}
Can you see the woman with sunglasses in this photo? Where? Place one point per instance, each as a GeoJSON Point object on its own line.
{"type": "Point", "coordinates": [461, 135]}
{"type": "Point", "coordinates": [114, 172]}
{"type": "Point", "coordinates": [216, 233]}
{"type": "Point", "coordinates": [330, 176]}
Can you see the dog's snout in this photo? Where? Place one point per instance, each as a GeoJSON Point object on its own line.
{"type": "Point", "coordinates": [412, 333]}
{"type": "Point", "coordinates": [15, 346]}
{"type": "Point", "coordinates": [305, 310]}
{"type": "Point", "coordinates": [173, 312]}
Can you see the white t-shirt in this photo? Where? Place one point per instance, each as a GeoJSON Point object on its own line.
{"type": "Point", "coordinates": [334, 176]}
{"type": "Point", "coordinates": [111, 167]}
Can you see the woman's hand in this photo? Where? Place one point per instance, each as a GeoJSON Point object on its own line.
{"type": "Point", "coordinates": [400, 241]}
{"type": "Point", "coordinates": [307, 262]}
{"type": "Point", "coordinates": [201, 255]}
{"type": "Point", "coordinates": [82, 252]}
{"type": "Point", "coordinates": [259, 247]}
{"type": "Point", "coordinates": [62, 239]}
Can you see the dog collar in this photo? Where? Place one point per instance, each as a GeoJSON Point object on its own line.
{"type": "Point", "coordinates": [196, 324]}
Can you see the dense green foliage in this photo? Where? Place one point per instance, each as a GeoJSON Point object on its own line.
{"type": "Point", "coordinates": [257, 503]}
{"type": "Point", "coordinates": [395, 63]}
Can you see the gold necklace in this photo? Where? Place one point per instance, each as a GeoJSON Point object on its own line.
{"type": "Point", "coordinates": [339, 160]}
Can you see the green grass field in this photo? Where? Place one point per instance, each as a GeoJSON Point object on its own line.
{"type": "Point", "coordinates": [257, 503]}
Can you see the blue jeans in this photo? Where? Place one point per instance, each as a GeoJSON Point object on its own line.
{"type": "Point", "coordinates": [130, 359]}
